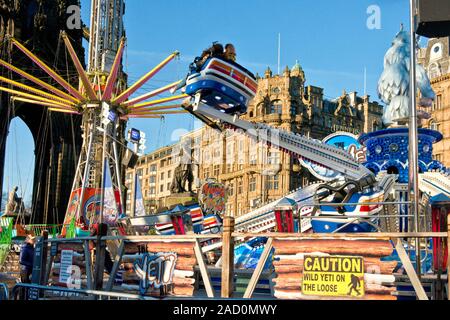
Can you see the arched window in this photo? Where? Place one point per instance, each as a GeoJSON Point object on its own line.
{"type": "Point", "coordinates": [433, 125]}
{"type": "Point", "coordinates": [259, 109]}
{"type": "Point", "coordinates": [375, 126]}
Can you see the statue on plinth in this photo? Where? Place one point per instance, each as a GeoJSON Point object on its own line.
{"type": "Point", "coordinates": [14, 204]}
{"type": "Point", "coordinates": [183, 175]}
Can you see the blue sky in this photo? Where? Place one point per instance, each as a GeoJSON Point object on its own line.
{"type": "Point", "coordinates": [329, 38]}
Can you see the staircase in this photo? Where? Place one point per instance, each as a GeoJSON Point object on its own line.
{"type": "Point", "coordinates": [11, 264]}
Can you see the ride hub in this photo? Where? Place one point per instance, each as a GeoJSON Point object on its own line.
{"type": "Point", "coordinates": [387, 150]}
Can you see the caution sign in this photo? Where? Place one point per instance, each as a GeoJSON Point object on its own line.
{"type": "Point", "coordinates": [335, 276]}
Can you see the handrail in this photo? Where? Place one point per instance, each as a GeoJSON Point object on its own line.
{"type": "Point", "coordinates": [80, 291]}
{"type": "Point", "coordinates": [367, 235]}
{"type": "Point", "coordinates": [180, 238]}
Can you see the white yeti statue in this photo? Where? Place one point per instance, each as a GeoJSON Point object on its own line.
{"type": "Point", "coordinates": [393, 86]}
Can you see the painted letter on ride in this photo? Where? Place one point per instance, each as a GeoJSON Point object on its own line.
{"type": "Point", "coordinates": [335, 276]}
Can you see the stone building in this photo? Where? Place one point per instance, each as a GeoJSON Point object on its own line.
{"type": "Point", "coordinates": [435, 58]}
{"type": "Point", "coordinates": [254, 173]}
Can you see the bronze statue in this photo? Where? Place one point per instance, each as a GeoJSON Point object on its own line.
{"type": "Point", "coordinates": [183, 173]}
{"type": "Point", "coordinates": [14, 203]}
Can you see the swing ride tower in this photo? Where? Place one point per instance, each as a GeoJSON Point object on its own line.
{"type": "Point", "coordinates": [104, 102]}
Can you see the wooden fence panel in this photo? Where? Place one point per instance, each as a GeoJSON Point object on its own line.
{"type": "Point", "coordinates": [288, 264]}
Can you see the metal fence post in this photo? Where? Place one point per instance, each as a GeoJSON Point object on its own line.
{"type": "Point", "coordinates": [448, 255]}
{"type": "Point", "coordinates": [43, 274]}
{"type": "Point", "coordinates": [227, 257]}
{"type": "Point", "coordinates": [100, 256]}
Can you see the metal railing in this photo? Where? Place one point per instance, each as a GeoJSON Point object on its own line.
{"type": "Point", "coordinates": [354, 218]}
{"type": "Point", "coordinates": [232, 235]}
{"type": "Point", "coordinates": [96, 293]}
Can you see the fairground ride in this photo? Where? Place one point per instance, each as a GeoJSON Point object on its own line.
{"type": "Point", "coordinates": [104, 101]}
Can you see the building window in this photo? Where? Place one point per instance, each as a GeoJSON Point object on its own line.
{"type": "Point", "coordinates": [252, 184]}
{"type": "Point", "coordinates": [434, 71]}
{"type": "Point", "coordinates": [168, 186]}
{"type": "Point", "coordinates": [375, 126]}
{"type": "Point", "coordinates": [216, 152]}
{"type": "Point", "coordinates": [240, 186]}
{"type": "Point", "coordinates": [239, 209]}
{"type": "Point", "coordinates": [272, 182]}
{"type": "Point", "coordinates": [153, 168]}
{"type": "Point", "coordinates": [293, 109]}
{"type": "Point", "coordinates": [206, 173]}
{"type": "Point", "coordinates": [253, 154]}
{"type": "Point", "coordinates": [438, 103]}
{"type": "Point", "coordinates": [152, 191]}
{"type": "Point", "coordinates": [161, 188]}
{"type": "Point", "coordinates": [216, 171]}
{"type": "Point", "coordinates": [152, 179]}
{"type": "Point", "coordinates": [230, 152]}
{"type": "Point", "coordinates": [169, 174]}
{"type": "Point", "coordinates": [241, 145]}
{"type": "Point", "coordinates": [229, 168]}
{"type": "Point", "coordinates": [433, 125]}
{"type": "Point", "coordinates": [162, 175]}
{"type": "Point", "coordinates": [438, 157]}
{"type": "Point", "coordinates": [231, 189]}
{"type": "Point", "coordinates": [206, 156]}
{"type": "Point", "coordinates": [276, 107]}
{"type": "Point", "coordinates": [273, 157]}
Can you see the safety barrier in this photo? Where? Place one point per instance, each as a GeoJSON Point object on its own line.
{"type": "Point", "coordinates": [189, 249]}
{"type": "Point", "coordinates": [6, 226]}
{"type": "Point", "coordinates": [36, 229]}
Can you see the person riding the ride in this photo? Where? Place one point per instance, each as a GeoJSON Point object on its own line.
{"type": "Point", "coordinates": [215, 51]}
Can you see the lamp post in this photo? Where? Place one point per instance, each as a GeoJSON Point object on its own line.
{"type": "Point", "coordinates": [413, 181]}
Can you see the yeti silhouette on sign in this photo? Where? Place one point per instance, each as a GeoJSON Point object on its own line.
{"type": "Point", "coordinates": [354, 285]}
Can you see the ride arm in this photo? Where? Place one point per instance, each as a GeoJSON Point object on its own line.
{"type": "Point", "coordinates": [315, 151]}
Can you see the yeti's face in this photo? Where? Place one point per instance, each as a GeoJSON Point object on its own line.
{"type": "Point", "coordinates": [401, 38]}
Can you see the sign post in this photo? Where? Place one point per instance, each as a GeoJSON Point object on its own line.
{"type": "Point", "coordinates": [137, 138]}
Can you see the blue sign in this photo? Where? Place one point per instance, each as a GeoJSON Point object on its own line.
{"type": "Point", "coordinates": [112, 116]}
{"type": "Point", "coordinates": [135, 135]}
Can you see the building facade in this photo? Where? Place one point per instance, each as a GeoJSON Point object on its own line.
{"type": "Point", "coordinates": [435, 58]}
{"type": "Point", "coordinates": [254, 173]}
